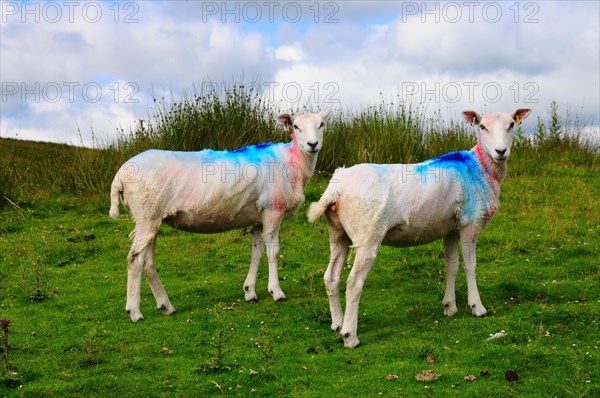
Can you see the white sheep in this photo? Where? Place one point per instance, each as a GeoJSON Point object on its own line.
{"type": "Point", "coordinates": [215, 191]}
{"type": "Point", "coordinates": [451, 198]}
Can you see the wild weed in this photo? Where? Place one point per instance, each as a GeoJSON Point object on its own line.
{"type": "Point", "coordinates": [266, 348]}
{"type": "Point", "coordinates": [217, 347]}
{"type": "Point", "coordinates": [5, 346]}
{"type": "Point", "coordinates": [92, 348]}
{"type": "Point", "coordinates": [35, 280]}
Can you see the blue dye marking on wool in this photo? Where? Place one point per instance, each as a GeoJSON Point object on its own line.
{"type": "Point", "coordinates": [459, 161]}
{"type": "Point", "coordinates": [454, 157]}
{"type": "Point", "coordinates": [266, 152]}
{"type": "Point", "coordinates": [253, 147]}
{"type": "Point", "coordinates": [257, 154]}
{"type": "Point", "coordinates": [378, 168]}
{"type": "Point", "coordinates": [462, 168]}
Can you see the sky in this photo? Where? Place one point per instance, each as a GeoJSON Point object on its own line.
{"type": "Point", "coordinates": [78, 71]}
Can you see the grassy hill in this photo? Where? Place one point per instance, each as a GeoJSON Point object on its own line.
{"type": "Point", "coordinates": [63, 282]}
{"type": "Point", "coordinates": [31, 170]}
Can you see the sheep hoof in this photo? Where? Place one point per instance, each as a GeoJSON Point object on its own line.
{"type": "Point", "coordinates": [350, 342]}
{"type": "Point", "coordinates": [167, 309]}
{"type": "Point", "coordinates": [450, 310]}
{"type": "Point", "coordinates": [478, 310]}
{"type": "Point", "coordinates": [250, 297]}
{"type": "Point", "coordinates": [135, 316]}
{"type": "Point", "coordinates": [336, 328]}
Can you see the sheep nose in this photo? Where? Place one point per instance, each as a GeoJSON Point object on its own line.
{"type": "Point", "coordinates": [501, 152]}
{"type": "Point", "coordinates": [313, 145]}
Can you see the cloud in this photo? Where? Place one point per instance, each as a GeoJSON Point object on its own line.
{"type": "Point", "coordinates": [439, 55]}
{"type": "Point", "coordinates": [289, 53]}
{"type": "Point", "coordinates": [65, 78]}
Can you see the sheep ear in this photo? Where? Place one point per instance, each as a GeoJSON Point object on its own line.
{"type": "Point", "coordinates": [286, 120]}
{"type": "Point", "coordinates": [325, 113]}
{"type": "Point", "coordinates": [520, 114]}
{"type": "Point", "coordinates": [472, 117]}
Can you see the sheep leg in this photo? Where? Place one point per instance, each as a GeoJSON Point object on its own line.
{"type": "Point", "coordinates": [468, 237]}
{"type": "Point", "coordinates": [258, 247]}
{"type": "Point", "coordinates": [135, 264]}
{"type": "Point", "coordinates": [339, 246]}
{"type": "Point", "coordinates": [365, 257]}
{"type": "Point", "coordinates": [160, 294]}
{"type": "Point", "coordinates": [451, 256]}
{"type": "Point", "coordinates": [270, 236]}
{"type": "Point", "coordinates": [339, 252]}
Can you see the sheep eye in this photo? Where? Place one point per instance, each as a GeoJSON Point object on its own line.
{"type": "Point", "coordinates": [511, 126]}
{"type": "Point", "coordinates": [296, 127]}
{"type": "Point", "coordinates": [322, 125]}
{"type": "Point", "coordinates": [482, 127]}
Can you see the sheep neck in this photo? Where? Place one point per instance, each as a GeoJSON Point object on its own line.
{"type": "Point", "coordinates": [496, 172]}
{"type": "Point", "coordinates": [301, 163]}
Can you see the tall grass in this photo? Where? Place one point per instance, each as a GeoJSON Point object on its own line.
{"type": "Point", "coordinates": [9, 175]}
{"type": "Point", "coordinates": [382, 133]}
{"type": "Point", "coordinates": [201, 120]}
{"type": "Point", "coordinates": [389, 133]}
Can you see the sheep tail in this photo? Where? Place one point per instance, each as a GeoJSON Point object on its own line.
{"type": "Point", "coordinates": [116, 190]}
{"type": "Point", "coordinates": [317, 209]}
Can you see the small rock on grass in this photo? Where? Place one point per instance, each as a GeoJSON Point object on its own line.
{"type": "Point", "coordinates": [391, 377]}
{"type": "Point", "coordinates": [511, 376]}
{"type": "Point", "coordinates": [427, 375]}
{"type": "Point", "coordinates": [470, 378]}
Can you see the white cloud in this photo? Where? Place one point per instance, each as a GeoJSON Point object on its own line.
{"type": "Point", "coordinates": [354, 55]}
{"type": "Point", "coordinates": [289, 53]}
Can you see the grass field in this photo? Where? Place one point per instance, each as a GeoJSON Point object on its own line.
{"type": "Point", "coordinates": [63, 283]}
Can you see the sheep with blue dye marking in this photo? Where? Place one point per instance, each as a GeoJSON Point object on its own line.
{"type": "Point", "coordinates": [214, 191]}
{"type": "Point", "coordinates": [451, 198]}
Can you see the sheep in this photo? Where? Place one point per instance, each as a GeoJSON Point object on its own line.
{"type": "Point", "coordinates": [451, 198]}
{"type": "Point", "coordinates": [215, 191]}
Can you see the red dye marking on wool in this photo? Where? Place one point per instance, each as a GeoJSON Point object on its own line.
{"type": "Point", "coordinates": [279, 203]}
{"type": "Point", "coordinates": [484, 162]}
{"type": "Point", "coordinates": [491, 213]}
{"type": "Point", "coordinates": [294, 154]}
{"type": "Point", "coordinates": [294, 161]}
{"type": "Point", "coordinates": [490, 172]}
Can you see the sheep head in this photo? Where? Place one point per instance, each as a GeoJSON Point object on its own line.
{"type": "Point", "coordinates": [496, 131]}
{"type": "Point", "coordinates": [308, 129]}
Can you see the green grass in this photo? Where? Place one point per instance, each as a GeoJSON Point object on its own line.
{"type": "Point", "coordinates": [538, 276]}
